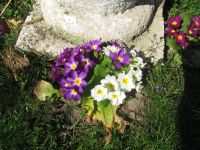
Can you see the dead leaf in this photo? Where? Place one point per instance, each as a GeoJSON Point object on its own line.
{"type": "Point", "coordinates": [44, 89]}
{"type": "Point", "coordinates": [15, 23]}
{"type": "Point", "coordinates": [14, 61]}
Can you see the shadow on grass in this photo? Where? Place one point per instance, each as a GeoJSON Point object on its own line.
{"type": "Point", "coordinates": [189, 108]}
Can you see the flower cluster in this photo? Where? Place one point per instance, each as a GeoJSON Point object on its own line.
{"type": "Point", "coordinates": [175, 30]}
{"type": "Point", "coordinates": [74, 67]}
{"type": "Point", "coordinates": [114, 87]}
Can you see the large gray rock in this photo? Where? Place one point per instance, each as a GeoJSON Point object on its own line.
{"type": "Point", "coordinates": [106, 19]}
{"type": "Point", "coordinates": [152, 41]}
{"type": "Point", "coordinates": [37, 34]}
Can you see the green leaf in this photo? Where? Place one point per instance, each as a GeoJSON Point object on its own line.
{"type": "Point", "coordinates": [178, 59]}
{"type": "Point", "coordinates": [106, 62]}
{"type": "Point", "coordinates": [91, 79]}
{"type": "Point", "coordinates": [87, 104]}
{"type": "Point", "coordinates": [44, 89]}
{"type": "Point", "coordinates": [105, 113]}
{"type": "Point", "coordinates": [125, 68]}
{"type": "Point", "coordinates": [186, 21]}
{"type": "Point", "coordinates": [99, 71]}
{"type": "Point", "coordinates": [192, 39]}
{"type": "Point", "coordinates": [171, 43]}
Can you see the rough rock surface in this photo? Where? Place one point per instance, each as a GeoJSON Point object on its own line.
{"type": "Point", "coordinates": [106, 19]}
{"type": "Point", "coordinates": [37, 35]}
{"type": "Point", "coordinates": [151, 42]}
{"type": "Point", "coordinates": [134, 109]}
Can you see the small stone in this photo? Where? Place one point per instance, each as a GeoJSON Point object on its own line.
{"type": "Point", "coordinates": [134, 109]}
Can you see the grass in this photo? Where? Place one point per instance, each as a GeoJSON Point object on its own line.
{"type": "Point", "coordinates": [191, 7]}
{"type": "Point", "coordinates": [27, 123]}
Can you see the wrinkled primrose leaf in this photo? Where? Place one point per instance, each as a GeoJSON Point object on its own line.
{"type": "Point", "coordinates": [105, 113]}
{"type": "Point", "coordinates": [87, 104]}
{"type": "Point", "coordinates": [44, 89]}
{"type": "Point", "coordinates": [171, 43]}
{"type": "Point", "coordinates": [186, 21]}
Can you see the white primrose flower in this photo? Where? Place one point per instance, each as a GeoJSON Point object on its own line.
{"type": "Point", "coordinates": [136, 74]}
{"type": "Point", "coordinates": [138, 62]}
{"type": "Point", "coordinates": [109, 49]}
{"type": "Point", "coordinates": [126, 82]}
{"type": "Point", "coordinates": [133, 53]}
{"type": "Point", "coordinates": [99, 93]}
{"type": "Point", "coordinates": [116, 97]}
{"type": "Point", "coordinates": [110, 82]}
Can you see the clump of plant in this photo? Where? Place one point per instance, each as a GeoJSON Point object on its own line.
{"type": "Point", "coordinates": [101, 76]}
{"type": "Point", "coordinates": [182, 31]}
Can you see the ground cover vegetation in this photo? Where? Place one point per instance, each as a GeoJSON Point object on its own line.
{"type": "Point", "coordinates": [28, 123]}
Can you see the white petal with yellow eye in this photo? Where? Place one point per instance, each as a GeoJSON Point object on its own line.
{"type": "Point", "coordinates": [99, 93]}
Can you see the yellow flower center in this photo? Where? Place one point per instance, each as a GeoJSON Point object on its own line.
{"type": "Point", "coordinates": [73, 66]}
{"type": "Point", "coordinates": [100, 92]}
{"type": "Point", "coordinates": [110, 86]}
{"type": "Point", "coordinates": [94, 47]}
{"type": "Point", "coordinates": [78, 81]}
{"type": "Point", "coordinates": [115, 96]}
{"type": "Point", "coordinates": [134, 76]}
{"type": "Point", "coordinates": [196, 23]}
{"type": "Point", "coordinates": [190, 32]}
{"type": "Point", "coordinates": [125, 81]}
{"type": "Point", "coordinates": [119, 59]}
{"type": "Point", "coordinates": [174, 23]}
{"type": "Point", "coordinates": [73, 92]}
{"type": "Point", "coordinates": [180, 37]}
{"type": "Point", "coordinates": [112, 50]}
{"type": "Point", "coordinates": [67, 84]}
{"type": "Point", "coordinates": [173, 31]}
{"type": "Point", "coordinates": [85, 62]}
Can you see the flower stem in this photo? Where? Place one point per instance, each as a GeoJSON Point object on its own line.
{"type": "Point", "coordinates": [4, 9]}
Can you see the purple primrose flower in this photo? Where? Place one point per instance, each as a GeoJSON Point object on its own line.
{"type": "Point", "coordinates": [77, 80]}
{"type": "Point", "coordinates": [87, 63]}
{"type": "Point", "coordinates": [72, 94]}
{"type": "Point", "coordinates": [196, 20]}
{"type": "Point", "coordinates": [181, 39]}
{"type": "Point", "coordinates": [120, 58]}
{"type": "Point", "coordinates": [93, 46]}
{"type": "Point", "coordinates": [170, 31]}
{"type": "Point", "coordinates": [71, 65]}
{"type": "Point", "coordinates": [77, 51]}
{"type": "Point", "coordinates": [175, 22]}
{"type": "Point", "coordinates": [65, 84]}
{"type": "Point", "coordinates": [114, 43]}
{"type": "Point", "coordinates": [60, 61]}
{"type": "Point", "coordinates": [192, 31]}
